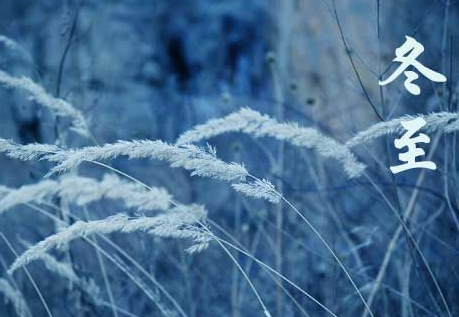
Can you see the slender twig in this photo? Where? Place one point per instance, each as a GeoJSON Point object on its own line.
{"type": "Point", "coordinates": [264, 265]}
{"type": "Point", "coordinates": [111, 258]}
{"type": "Point", "coordinates": [67, 48]}
{"type": "Point", "coordinates": [354, 67]}
{"type": "Point", "coordinates": [149, 276]}
{"type": "Point", "coordinates": [327, 246]}
{"type": "Point", "coordinates": [403, 227]}
{"type": "Point", "coordinates": [29, 276]}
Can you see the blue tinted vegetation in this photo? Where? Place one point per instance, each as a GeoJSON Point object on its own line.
{"type": "Point", "coordinates": [231, 158]}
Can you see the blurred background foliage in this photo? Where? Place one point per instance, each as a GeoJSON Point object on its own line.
{"type": "Point", "coordinates": [153, 69]}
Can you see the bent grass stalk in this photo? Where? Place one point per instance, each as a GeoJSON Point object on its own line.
{"type": "Point", "coordinates": [141, 143]}
{"type": "Point", "coordinates": [141, 269]}
{"type": "Point", "coordinates": [281, 276]}
{"type": "Point", "coordinates": [105, 254]}
{"type": "Point", "coordinates": [132, 277]}
{"type": "Point", "coordinates": [314, 230]}
{"type": "Point", "coordinates": [116, 247]}
{"type": "Point", "coordinates": [417, 304]}
{"type": "Point", "coordinates": [120, 148]}
{"type": "Point", "coordinates": [29, 276]}
{"type": "Point", "coordinates": [392, 246]}
{"type": "Point", "coordinates": [401, 227]}
{"type": "Point", "coordinates": [20, 304]}
{"type": "Point", "coordinates": [265, 310]}
{"type": "Point", "coordinates": [301, 216]}
{"type": "Point", "coordinates": [149, 275]}
{"type": "Point", "coordinates": [112, 244]}
{"type": "Point", "coordinates": [58, 106]}
{"type": "Point", "coordinates": [242, 250]}
{"type": "Point", "coordinates": [256, 125]}
{"type": "Point", "coordinates": [14, 296]}
{"type": "Point", "coordinates": [103, 269]}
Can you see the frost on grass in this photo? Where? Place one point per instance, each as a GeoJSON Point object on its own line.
{"type": "Point", "coordinates": [66, 271]}
{"type": "Point", "coordinates": [179, 222]}
{"type": "Point", "coordinates": [446, 121]}
{"type": "Point", "coordinates": [84, 190]}
{"type": "Point", "coordinates": [199, 161]}
{"type": "Point", "coordinates": [25, 194]}
{"type": "Point", "coordinates": [196, 159]}
{"type": "Point", "coordinates": [257, 125]}
{"type": "Point", "coordinates": [9, 43]}
{"type": "Point", "coordinates": [258, 189]}
{"type": "Point", "coordinates": [58, 106]}
{"type": "Point", "coordinates": [13, 45]}
{"type": "Point", "coordinates": [15, 297]}
{"type": "Point", "coordinates": [26, 152]}
{"type": "Point", "coordinates": [4, 190]}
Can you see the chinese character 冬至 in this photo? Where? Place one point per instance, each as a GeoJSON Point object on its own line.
{"type": "Point", "coordinates": [409, 157]}
{"type": "Point", "coordinates": [406, 55]}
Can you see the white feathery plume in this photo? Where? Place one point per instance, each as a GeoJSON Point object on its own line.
{"type": "Point", "coordinates": [84, 190]}
{"type": "Point", "coordinates": [58, 106]}
{"type": "Point", "coordinates": [177, 223]}
{"type": "Point", "coordinates": [258, 189]}
{"type": "Point", "coordinates": [62, 269]}
{"type": "Point", "coordinates": [448, 121]}
{"type": "Point", "coordinates": [201, 162]}
{"type": "Point", "coordinates": [13, 45]}
{"type": "Point", "coordinates": [257, 125]}
{"type": "Point", "coordinates": [79, 190]}
{"type": "Point", "coordinates": [66, 271]}
{"type": "Point", "coordinates": [26, 194]}
{"type": "Point", "coordinates": [15, 296]}
{"type": "Point", "coordinates": [26, 152]}
{"type": "Point", "coordinates": [180, 222]}
{"type": "Point", "coordinates": [9, 43]}
{"type": "Point", "coordinates": [4, 190]}
{"type": "Point", "coordinates": [190, 157]}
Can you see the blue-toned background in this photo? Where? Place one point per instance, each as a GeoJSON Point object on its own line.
{"type": "Point", "coordinates": [154, 69]}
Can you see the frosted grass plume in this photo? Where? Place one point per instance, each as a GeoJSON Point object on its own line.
{"type": "Point", "coordinates": [262, 189]}
{"type": "Point", "coordinates": [9, 43]}
{"type": "Point", "coordinates": [446, 121]}
{"type": "Point", "coordinates": [84, 190]}
{"type": "Point", "coordinates": [257, 125]}
{"type": "Point", "coordinates": [179, 222]}
{"type": "Point", "coordinates": [199, 161]}
{"type": "Point", "coordinates": [61, 269]}
{"type": "Point", "coordinates": [66, 271]}
{"type": "Point", "coordinates": [25, 194]}
{"type": "Point", "coordinates": [15, 297]}
{"type": "Point", "coordinates": [26, 152]}
{"type": "Point", "coordinates": [58, 106]}
{"type": "Point", "coordinates": [13, 45]}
